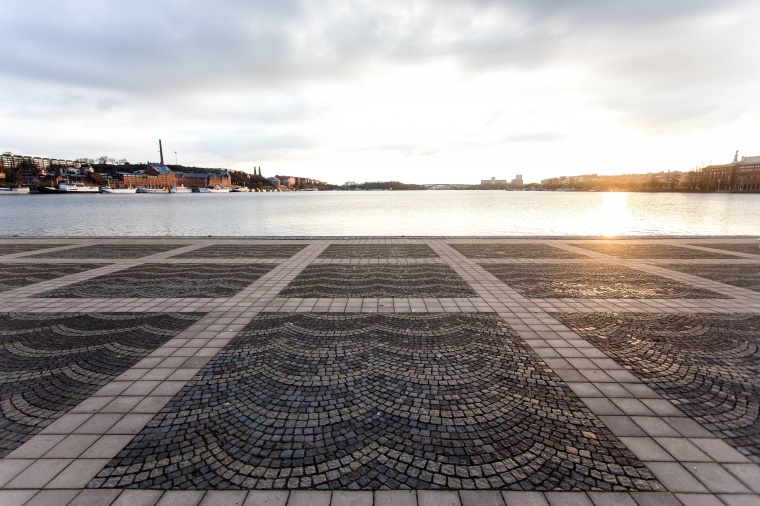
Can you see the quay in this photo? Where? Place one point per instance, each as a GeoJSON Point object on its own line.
{"type": "Point", "coordinates": [379, 371]}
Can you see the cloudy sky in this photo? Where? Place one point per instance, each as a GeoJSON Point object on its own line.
{"type": "Point", "coordinates": [418, 91]}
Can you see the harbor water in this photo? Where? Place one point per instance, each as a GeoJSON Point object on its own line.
{"type": "Point", "coordinates": [384, 213]}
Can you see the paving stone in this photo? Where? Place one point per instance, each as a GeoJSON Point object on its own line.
{"type": "Point", "coordinates": [434, 498]}
{"type": "Point", "coordinates": [267, 498]}
{"type": "Point", "coordinates": [138, 498]}
{"type": "Point", "coordinates": [611, 499]}
{"type": "Point", "coordinates": [15, 497]}
{"type": "Point", "coordinates": [12, 249]}
{"type": "Point", "coordinates": [568, 499]}
{"type": "Point", "coordinates": [749, 474]}
{"type": "Point", "coordinates": [49, 363]}
{"type": "Point", "coordinates": [533, 250]}
{"type": "Point", "coordinates": [748, 247]}
{"type": "Point", "coordinates": [309, 498]}
{"type": "Point", "coordinates": [376, 401]}
{"type": "Point", "coordinates": [741, 275]}
{"type": "Point", "coordinates": [354, 498]}
{"type": "Point", "coordinates": [95, 498]}
{"type": "Point", "coordinates": [715, 478]}
{"type": "Point", "coordinates": [181, 498]}
{"type": "Point", "coordinates": [244, 251]}
{"type": "Point", "coordinates": [395, 498]}
{"type": "Point", "coordinates": [109, 251]}
{"type": "Point", "coordinates": [592, 281]}
{"type": "Point", "coordinates": [347, 281]}
{"type": "Point", "coordinates": [655, 499]}
{"type": "Point", "coordinates": [699, 500]}
{"type": "Point", "coordinates": [706, 364]}
{"type": "Point", "coordinates": [177, 281]}
{"type": "Point", "coordinates": [624, 250]}
{"type": "Point", "coordinates": [740, 499]}
{"type": "Point", "coordinates": [378, 251]}
{"type": "Point", "coordinates": [481, 498]}
{"type": "Point", "coordinates": [18, 275]}
{"type": "Point", "coordinates": [224, 498]}
{"type": "Point", "coordinates": [52, 498]}
{"type": "Point", "coordinates": [524, 498]}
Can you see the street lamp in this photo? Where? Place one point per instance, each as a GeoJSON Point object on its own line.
{"type": "Point", "coordinates": [175, 158]}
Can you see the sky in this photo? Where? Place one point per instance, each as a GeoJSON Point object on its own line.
{"type": "Point", "coordinates": [419, 91]}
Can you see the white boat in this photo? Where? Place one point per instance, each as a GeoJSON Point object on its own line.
{"type": "Point", "coordinates": [241, 189]}
{"type": "Point", "coordinates": [77, 188]}
{"type": "Point", "coordinates": [14, 191]}
{"type": "Point", "coordinates": [152, 190]}
{"type": "Point", "coordinates": [108, 189]}
{"type": "Point", "coordinates": [180, 189]}
{"type": "Point", "coordinates": [218, 189]}
{"type": "Point", "coordinates": [201, 190]}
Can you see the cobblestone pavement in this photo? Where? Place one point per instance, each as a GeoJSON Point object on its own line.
{"type": "Point", "coordinates": [748, 248]}
{"type": "Point", "coordinates": [167, 280]}
{"type": "Point", "coordinates": [743, 275]}
{"type": "Point", "coordinates": [370, 401]}
{"type": "Point", "coordinates": [708, 365]}
{"type": "Point", "coordinates": [623, 250]}
{"type": "Point", "coordinates": [109, 251]}
{"type": "Point", "coordinates": [592, 281]}
{"type": "Point", "coordinates": [49, 363]}
{"type": "Point", "coordinates": [418, 371]}
{"type": "Point", "coordinates": [427, 280]}
{"type": "Point", "coordinates": [512, 251]}
{"type": "Point", "coordinates": [18, 275]}
{"type": "Point", "coordinates": [12, 249]}
{"type": "Point", "coordinates": [244, 251]}
{"type": "Point", "coordinates": [378, 251]}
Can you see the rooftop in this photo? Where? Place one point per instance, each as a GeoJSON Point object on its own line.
{"type": "Point", "coordinates": [379, 370]}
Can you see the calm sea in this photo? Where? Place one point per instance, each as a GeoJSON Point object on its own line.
{"type": "Point", "coordinates": [412, 213]}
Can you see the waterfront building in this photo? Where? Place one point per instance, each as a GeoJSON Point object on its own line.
{"type": "Point", "coordinates": [493, 182]}
{"type": "Point", "coordinates": [741, 175]}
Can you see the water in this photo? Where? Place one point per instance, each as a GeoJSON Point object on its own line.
{"type": "Point", "coordinates": [412, 213]}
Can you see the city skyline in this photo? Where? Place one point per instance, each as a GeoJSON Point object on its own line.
{"type": "Point", "coordinates": [418, 92]}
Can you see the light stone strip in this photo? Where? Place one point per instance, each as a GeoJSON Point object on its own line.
{"type": "Point", "coordinates": [685, 457]}
{"type": "Point", "coordinates": [743, 296]}
{"type": "Point", "coordinates": [66, 455]}
{"type": "Point", "coordinates": [377, 261]}
{"type": "Point", "coordinates": [115, 265]}
{"type": "Point", "coordinates": [132, 497]}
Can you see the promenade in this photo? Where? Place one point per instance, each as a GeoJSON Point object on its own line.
{"type": "Point", "coordinates": [385, 371]}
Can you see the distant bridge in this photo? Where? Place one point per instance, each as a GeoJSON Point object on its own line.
{"type": "Point", "coordinates": [447, 186]}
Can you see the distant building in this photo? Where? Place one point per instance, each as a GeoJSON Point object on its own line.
{"type": "Point", "coordinates": [493, 182]}
{"type": "Point", "coordinates": [517, 182]}
{"type": "Point", "coordinates": [738, 176]}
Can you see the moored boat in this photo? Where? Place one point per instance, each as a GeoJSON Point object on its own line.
{"type": "Point", "coordinates": [152, 190]}
{"type": "Point", "coordinates": [180, 189]}
{"type": "Point", "coordinates": [218, 189]}
{"type": "Point", "coordinates": [108, 189]}
{"type": "Point", "coordinates": [14, 191]}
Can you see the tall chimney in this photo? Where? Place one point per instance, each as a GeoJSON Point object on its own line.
{"type": "Point", "coordinates": [161, 150]}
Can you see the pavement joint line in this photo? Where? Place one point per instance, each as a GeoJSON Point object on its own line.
{"type": "Point", "coordinates": [694, 464]}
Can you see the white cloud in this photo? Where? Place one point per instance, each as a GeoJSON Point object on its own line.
{"type": "Point", "coordinates": [346, 89]}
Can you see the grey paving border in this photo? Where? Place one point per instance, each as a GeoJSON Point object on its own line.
{"type": "Point", "coordinates": [695, 466]}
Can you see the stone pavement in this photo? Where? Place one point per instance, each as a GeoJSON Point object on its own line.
{"type": "Point", "coordinates": [388, 371]}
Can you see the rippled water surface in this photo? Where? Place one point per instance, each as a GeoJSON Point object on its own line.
{"type": "Point", "coordinates": [413, 213]}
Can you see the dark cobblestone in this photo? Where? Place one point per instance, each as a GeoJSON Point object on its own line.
{"type": "Point", "coordinates": [49, 363]}
{"type": "Point", "coordinates": [12, 249]}
{"type": "Point", "coordinates": [592, 281]}
{"type": "Point", "coordinates": [167, 280]}
{"type": "Point", "coordinates": [373, 401]}
{"type": "Point", "coordinates": [330, 280]}
{"type": "Point", "coordinates": [751, 248]}
{"type": "Point", "coordinates": [742, 275]}
{"type": "Point", "coordinates": [378, 251]}
{"type": "Point", "coordinates": [110, 251]}
{"type": "Point", "coordinates": [245, 251]}
{"type": "Point", "coordinates": [513, 251]}
{"type": "Point", "coordinates": [707, 365]}
{"type": "Point", "coordinates": [648, 250]}
{"type": "Point", "coordinates": [18, 275]}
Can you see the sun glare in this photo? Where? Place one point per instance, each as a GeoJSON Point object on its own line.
{"type": "Point", "coordinates": [612, 214]}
